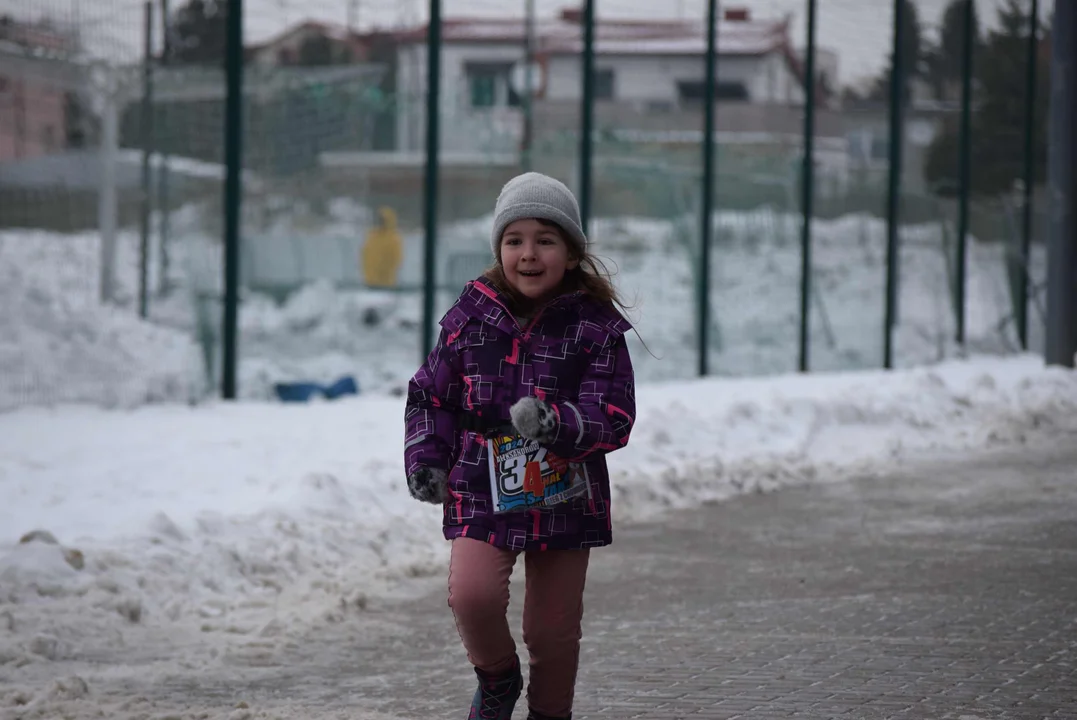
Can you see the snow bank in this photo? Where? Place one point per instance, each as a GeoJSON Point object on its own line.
{"type": "Point", "coordinates": [62, 346]}
{"type": "Point", "coordinates": [706, 441]}
{"type": "Point", "coordinates": [58, 344]}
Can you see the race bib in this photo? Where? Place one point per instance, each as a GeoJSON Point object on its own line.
{"type": "Point", "coordinates": [524, 475]}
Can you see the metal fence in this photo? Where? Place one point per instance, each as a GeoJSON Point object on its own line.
{"type": "Point", "coordinates": [184, 216]}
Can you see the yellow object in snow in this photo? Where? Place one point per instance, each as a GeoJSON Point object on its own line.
{"type": "Point", "coordinates": [383, 251]}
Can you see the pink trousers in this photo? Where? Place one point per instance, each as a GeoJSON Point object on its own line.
{"type": "Point", "coordinates": [553, 608]}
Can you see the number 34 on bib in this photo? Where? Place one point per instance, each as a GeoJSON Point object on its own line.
{"type": "Point", "coordinates": [525, 475]}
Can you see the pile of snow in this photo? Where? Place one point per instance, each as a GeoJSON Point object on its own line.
{"type": "Point", "coordinates": [704, 441]}
{"type": "Point", "coordinates": [62, 346]}
{"type": "Point", "coordinates": [249, 520]}
{"type": "Point", "coordinates": [755, 301]}
{"type": "Point", "coordinates": [755, 294]}
{"type": "Point", "coordinates": [59, 344]}
{"type": "Point", "coordinates": [321, 333]}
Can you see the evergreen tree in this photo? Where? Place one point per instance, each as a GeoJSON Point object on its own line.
{"type": "Point", "coordinates": [1000, 116]}
{"type": "Point", "coordinates": [944, 64]}
{"type": "Point", "coordinates": [912, 49]}
{"type": "Point", "coordinates": [199, 33]}
{"type": "Point", "coordinates": [998, 122]}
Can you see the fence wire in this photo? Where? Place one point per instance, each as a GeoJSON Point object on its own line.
{"type": "Point", "coordinates": [111, 170]}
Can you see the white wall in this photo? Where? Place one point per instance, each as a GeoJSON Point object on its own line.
{"type": "Point", "coordinates": [463, 129]}
{"type": "Point", "coordinates": [775, 82]}
{"type": "Point", "coordinates": [646, 78]}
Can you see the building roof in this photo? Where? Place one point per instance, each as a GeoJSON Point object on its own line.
{"type": "Point", "coordinates": [737, 34]}
{"type": "Point", "coordinates": [44, 39]}
{"type": "Point", "coordinates": [563, 35]}
{"type": "Point", "coordinates": [333, 31]}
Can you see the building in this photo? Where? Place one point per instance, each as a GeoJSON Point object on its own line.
{"type": "Point", "coordinates": [649, 87]}
{"type": "Point", "coordinates": [35, 78]}
{"type": "Point", "coordinates": [653, 66]}
{"type": "Point", "coordinates": [649, 70]}
{"type": "Point", "coordinates": [310, 43]}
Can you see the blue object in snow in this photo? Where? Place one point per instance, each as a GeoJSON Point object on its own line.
{"type": "Point", "coordinates": [344, 386]}
{"type": "Point", "coordinates": [304, 391]}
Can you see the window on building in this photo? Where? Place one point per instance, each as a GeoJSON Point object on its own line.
{"type": "Point", "coordinates": [690, 91]}
{"type": "Point", "coordinates": [489, 85]}
{"type": "Point", "coordinates": [604, 84]}
{"type": "Point", "coordinates": [48, 137]}
{"type": "Point", "coordinates": [483, 88]}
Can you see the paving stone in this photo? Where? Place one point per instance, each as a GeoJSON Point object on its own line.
{"type": "Point", "coordinates": [919, 595]}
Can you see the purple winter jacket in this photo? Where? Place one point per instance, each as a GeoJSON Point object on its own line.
{"type": "Point", "coordinates": [574, 356]}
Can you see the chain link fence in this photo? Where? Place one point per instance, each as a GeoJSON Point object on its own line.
{"type": "Point", "coordinates": [111, 176]}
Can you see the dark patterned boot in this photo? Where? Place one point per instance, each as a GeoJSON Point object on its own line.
{"type": "Point", "coordinates": [496, 695]}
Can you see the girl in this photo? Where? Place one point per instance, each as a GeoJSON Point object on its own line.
{"type": "Point", "coordinates": [507, 425]}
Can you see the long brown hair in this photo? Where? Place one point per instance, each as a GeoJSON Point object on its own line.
{"type": "Point", "coordinates": [590, 276]}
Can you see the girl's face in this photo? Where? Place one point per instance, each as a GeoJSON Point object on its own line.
{"type": "Point", "coordinates": [535, 258]}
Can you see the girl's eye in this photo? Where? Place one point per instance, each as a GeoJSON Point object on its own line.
{"type": "Point", "coordinates": [512, 241]}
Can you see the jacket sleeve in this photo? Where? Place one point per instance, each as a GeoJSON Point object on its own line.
{"type": "Point", "coordinates": [430, 434]}
{"type": "Point", "coordinates": [601, 418]}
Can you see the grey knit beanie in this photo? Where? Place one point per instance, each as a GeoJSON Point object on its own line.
{"type": "Point", "coordinates": [534, 195]}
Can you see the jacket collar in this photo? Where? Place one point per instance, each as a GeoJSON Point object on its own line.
{"type": "Point", "coordinates": [492, 305]}
{"type": "Point", "coordinates": [481, 301]}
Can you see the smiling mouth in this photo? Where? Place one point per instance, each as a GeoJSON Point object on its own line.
{"type": "Point", "coordinates": [530, 273]}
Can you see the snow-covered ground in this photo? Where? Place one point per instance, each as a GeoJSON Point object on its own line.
{"type": "Point", "coordinates": [229, 528]}
{"type": "Point", "coordinates": [149, 510]}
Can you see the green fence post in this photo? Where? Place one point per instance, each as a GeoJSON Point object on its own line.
{"type": "Point", "coordinates": [706, 231]}
{"type": "Point", "coordinates": [430, 188]}
{"type": "Point", "coordinates": [965, 169]}
{"type": "Point", "coordinates": [528, 95]}
{"type": "Point", "coordinates": [1030, 173]}
{"type": "Point", "coordinates": [233, 197]}
{"type": "Point", "coordinates": [162, 171]}
{"type": "Point", "coordinates": [807, 190]}
{"type": "Point", "coordinates": [893, 197]}
{"type": "Point", "coordinates": [587, 111]}
{"type": "Point", "coordinates": [1061, 346]}
{"type": "Point", "coordinates": [146, 204]}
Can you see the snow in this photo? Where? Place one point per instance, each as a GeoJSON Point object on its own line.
{"type": "Point", "coordinates": [150, 510]}
{"type": "Point", "coordinates": [59, 345]}
{"type": "Point", "coordinates": [235, 518]}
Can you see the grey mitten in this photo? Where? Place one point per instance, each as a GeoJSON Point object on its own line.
{"type": "Point", "coordinates": [429, 485]}
{"type": "Point", "coordinates": [534, 419]}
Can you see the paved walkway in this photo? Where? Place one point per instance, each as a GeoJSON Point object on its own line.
{"type": "Point", "coordinates": [947, 590]}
